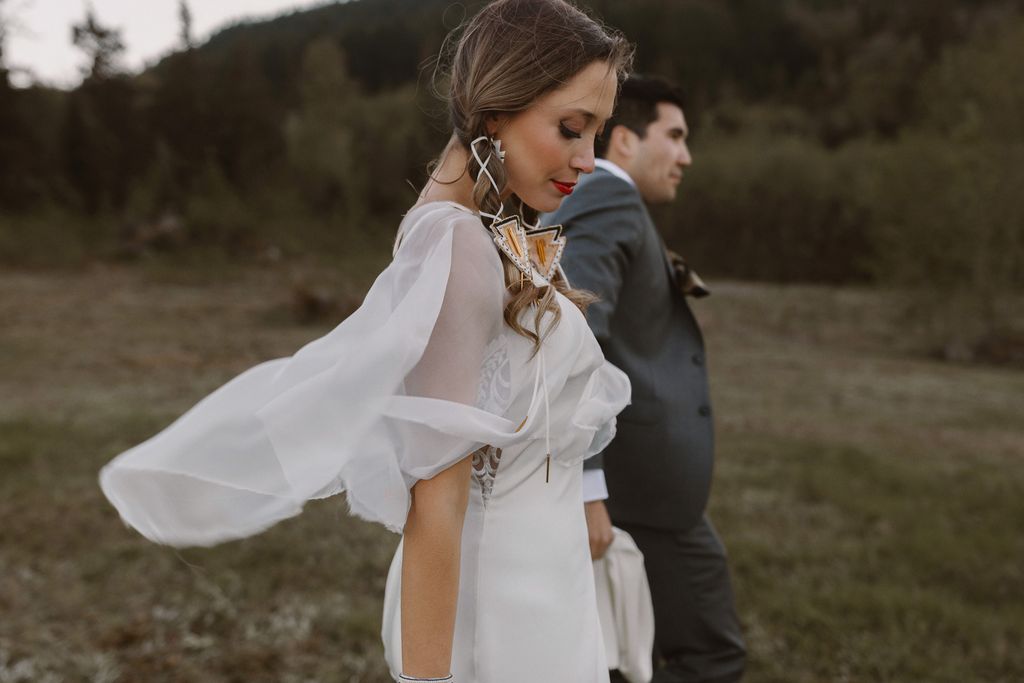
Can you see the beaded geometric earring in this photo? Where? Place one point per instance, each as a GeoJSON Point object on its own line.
{"type": "Point", "coordinates": [534, 250]}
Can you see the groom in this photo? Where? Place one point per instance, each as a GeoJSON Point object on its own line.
{"type": "Point", "coordinates": [656, 474]}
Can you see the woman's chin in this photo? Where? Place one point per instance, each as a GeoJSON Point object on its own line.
{"type": "Point", "coordinates": [546, 204]}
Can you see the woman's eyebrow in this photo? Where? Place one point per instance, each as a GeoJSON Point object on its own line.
{"type": "Point", "coordinates": [588, 115]}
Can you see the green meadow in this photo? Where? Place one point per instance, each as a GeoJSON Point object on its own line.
{"type": "Point", "coordinates": [872, 499]}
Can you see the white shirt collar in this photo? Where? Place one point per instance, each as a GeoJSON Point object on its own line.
{"type": "Point", "coordinates": [614, 169]}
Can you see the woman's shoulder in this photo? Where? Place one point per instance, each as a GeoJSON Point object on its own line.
{"type": "Point", "coordinates": [427, 222]}
{"type": "Point", "coordinates": [434, 212]}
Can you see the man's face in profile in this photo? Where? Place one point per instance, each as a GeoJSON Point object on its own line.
{"type": "Point", "coordinates": [662, 155]}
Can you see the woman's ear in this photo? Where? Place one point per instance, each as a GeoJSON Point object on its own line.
{"type": "Point", "coordinates": [494, 123]}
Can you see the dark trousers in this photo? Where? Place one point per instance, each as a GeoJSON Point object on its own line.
{"type": "Point", "coordinates": [697, 635]}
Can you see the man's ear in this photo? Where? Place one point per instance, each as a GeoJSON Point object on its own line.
{"type": "Point", "coordinates": [623, 142]}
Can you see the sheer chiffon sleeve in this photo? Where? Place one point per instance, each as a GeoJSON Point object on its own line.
{"type": "Point", "coordinates": [385, 399]}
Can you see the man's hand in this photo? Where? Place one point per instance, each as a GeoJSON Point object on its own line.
{"type": "Point", "coordinates": [599, 527]}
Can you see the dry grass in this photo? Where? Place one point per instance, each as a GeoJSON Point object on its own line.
{"type": "Point", "coordinates": [871, 500]}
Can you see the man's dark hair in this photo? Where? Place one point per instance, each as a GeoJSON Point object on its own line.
{"type": "Point", "coordinates": [637, 107]}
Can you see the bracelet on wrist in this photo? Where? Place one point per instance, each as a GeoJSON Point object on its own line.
{"type": "Point", "coordinates": [412, 679]}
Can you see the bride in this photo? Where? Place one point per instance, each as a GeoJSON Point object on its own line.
{"type": "Point", "coordinates": [457, 404]}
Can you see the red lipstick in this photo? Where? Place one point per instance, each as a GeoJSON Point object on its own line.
{"type": "Point", "coordinates": [564, 188]}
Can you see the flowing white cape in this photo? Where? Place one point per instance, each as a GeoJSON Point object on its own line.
{"type": "Point", "coordinates": [387, 398]}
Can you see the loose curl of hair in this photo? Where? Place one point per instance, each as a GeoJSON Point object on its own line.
{"type": "Point", "coordinates": [511, 53]}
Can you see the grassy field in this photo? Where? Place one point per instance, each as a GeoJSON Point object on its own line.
{"type": "Point", "coordinates": [872, 501]}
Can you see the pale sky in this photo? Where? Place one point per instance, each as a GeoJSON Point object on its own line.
{"type": "Point", "coordinates": [40, 39]}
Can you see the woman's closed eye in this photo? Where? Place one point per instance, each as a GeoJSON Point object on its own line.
{"type": "Point", "coordinates": [569, 133]}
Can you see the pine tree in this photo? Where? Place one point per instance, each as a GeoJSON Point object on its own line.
{"type": "Point", "coordinates": [4, 29]}
{"type": "Point", "coordinates": [185, 32]}
{"type": "Point", "coordinates": [102, 45]}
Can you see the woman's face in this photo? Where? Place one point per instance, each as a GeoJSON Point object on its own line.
{"type": "Point", "coordinates": [550, 144]}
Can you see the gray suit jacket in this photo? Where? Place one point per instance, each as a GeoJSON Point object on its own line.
{"type": "Point", "coordinates": [658, 468]}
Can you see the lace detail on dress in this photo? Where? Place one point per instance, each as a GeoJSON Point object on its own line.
{"type": "Point", "coordinates": [485, 467]}
{"type": "Point", "coordinates": [494, 393]}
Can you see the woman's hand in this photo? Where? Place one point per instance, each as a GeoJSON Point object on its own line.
{"type": "Point", "coordinates": [599, 528]}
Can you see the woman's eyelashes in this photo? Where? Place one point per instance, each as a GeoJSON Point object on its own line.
{"type": "Point", "coordinates": [569, 133]}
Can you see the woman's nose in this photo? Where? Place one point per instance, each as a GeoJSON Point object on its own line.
{"type": "Point", "coordinates": [584, 161]}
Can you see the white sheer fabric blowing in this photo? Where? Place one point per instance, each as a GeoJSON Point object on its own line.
{"type": "Point", "coordinates": [390, 396]}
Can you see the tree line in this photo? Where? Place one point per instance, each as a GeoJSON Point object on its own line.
{"type": "Point", "coordinates": [835, 140]}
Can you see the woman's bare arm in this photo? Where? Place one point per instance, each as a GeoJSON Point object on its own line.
{"type": "Point", "coordinates": [430, 570]}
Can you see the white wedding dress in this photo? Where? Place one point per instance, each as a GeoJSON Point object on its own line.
{"type": "Point", "coordinates": [423, 374]}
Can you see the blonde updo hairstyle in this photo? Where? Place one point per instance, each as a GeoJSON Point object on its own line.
{"type": "Point", "coordinates": [510, 54]}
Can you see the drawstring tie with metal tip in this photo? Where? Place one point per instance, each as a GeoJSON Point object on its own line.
{"type": "Point", "coordinates": [540, 382]}
{"type": "Point", "coordinates": [547, 417]}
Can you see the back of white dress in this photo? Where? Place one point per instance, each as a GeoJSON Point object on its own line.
{"type": "Point", "coordinates": [527, 608]}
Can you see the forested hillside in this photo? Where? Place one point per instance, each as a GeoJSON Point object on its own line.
{"type": "Point", "coordinates": [834, 140]}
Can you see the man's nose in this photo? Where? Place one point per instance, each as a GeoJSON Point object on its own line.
{"type": "Point", "coordinates": [684, 158]}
